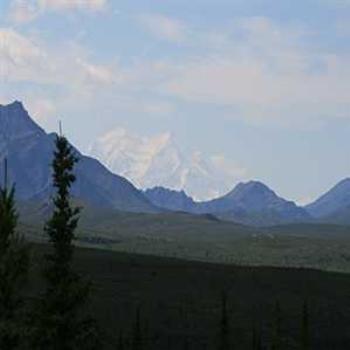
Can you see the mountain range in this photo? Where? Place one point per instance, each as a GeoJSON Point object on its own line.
{"type": "Point", "coordinates": [251, 203]}
{"type": "Point", "coordinates": [159, 161]}
{"type": "Point", "coordinates": [29, 150]}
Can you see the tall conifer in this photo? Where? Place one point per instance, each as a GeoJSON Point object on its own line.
{"type": "Point", "coordinates": [14, 261]}
{"type": "Point", "coordinates": [137, 343]}
{"type": "Point", "coordinates": [305, 332]}
{"type": "Point", "coordinates": [224, 342]}
{"type": "Point", "coordinates": [276, 340]}
{"type": "Point", "coordinates": [63, 323]}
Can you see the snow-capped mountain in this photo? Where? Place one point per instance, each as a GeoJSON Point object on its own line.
{"type": "Point", "coordinates": [158, 161]}
{"type": "Point", "coordinates": [29, 150]}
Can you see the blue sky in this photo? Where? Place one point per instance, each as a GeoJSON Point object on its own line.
{"type": "Point", "coordinates": [264, 83]}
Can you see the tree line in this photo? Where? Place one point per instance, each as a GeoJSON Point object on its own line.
{"type": "Point", "coordinates": [140, 339]}
{"type": "Point", "coordinates": [58, 319]}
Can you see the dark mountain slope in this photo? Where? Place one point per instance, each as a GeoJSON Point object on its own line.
{"type": "Point", "coordinates": [250, 203]}
{"type": "Point", "coordinates": [333, 205]}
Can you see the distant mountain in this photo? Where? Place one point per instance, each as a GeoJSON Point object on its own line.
{"type": "Point", "coordinates": [171, 200]}
{"type": "Point", "coordinates": [159, 161]}
{"type": "Point", "coordinates": [251, 203]}
{"type": "Point", "coordinates": [340, 217]}
{"type": "Point", "coordinates": [255, 204]}
{"type": "Point", "coordinates": [29, 151]}
{"type": "Point", "coordinates": [333, 206]}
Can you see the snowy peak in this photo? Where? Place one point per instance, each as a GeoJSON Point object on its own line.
{"type": "Point", "coordinates": [159, 161]}
{"type": "Point", "coordinates": [121, 138]}
{"type": "Point", "coordinates": [15, 122]}
{"type": "Point", "coordinates": [131, 156]}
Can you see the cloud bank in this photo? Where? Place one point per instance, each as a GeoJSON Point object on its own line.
{"type": "Point", "coordinates": [23, 11]}
{"type": "Point", "coordinates": [259, 70]}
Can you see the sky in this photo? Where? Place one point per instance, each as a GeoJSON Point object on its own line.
{"type": "Point", "coordinates": [263, 83]}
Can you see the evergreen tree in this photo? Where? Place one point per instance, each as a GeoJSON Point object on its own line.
{"type": "Point", "coordinates": [14, 259]}
{"type": "Point", "coordinates": [276, 340]}
{"type": "Point", "coordinates": [254, 338]}
{"type": "Point", "coordinates": [186, 344]}
{"type": "Point", "coordinates": [224, 325]}
{"type": "Point", "coordinates": [120, 345]}
{"type": "Point", "coordinates": [62, 320]}
{"type": "Point", "coordinates": [137, 332]}
{"type": "Point", "coordinates": [305, 332]}
{"type": "Point", "coordinates": [259, 344]}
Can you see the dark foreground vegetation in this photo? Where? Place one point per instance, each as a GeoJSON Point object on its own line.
{"type": "Point", "coordinates": [180, 303]}
{"type": "Point", "coordinates": [57, 318]}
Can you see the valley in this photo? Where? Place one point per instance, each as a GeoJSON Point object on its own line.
{"type": "Point", "coordinates": [180, 301]}
{"type": "Point", "coordinates": [202, 238]}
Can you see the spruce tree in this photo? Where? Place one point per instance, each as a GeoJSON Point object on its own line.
{"type": "Point", "coordinates": [224, 343]}
{"type": "Point", "coordinates": [120, 345]}
{"type": "Point", "coordinates": [63, 323]}
{"type": "Point", "coordinates": [305, 335]}
{"type": "Point", "coordinates": [137, 343]}
{"type": "Point", "coordinates": [276, 340]}
{"type": "Point", "coordinates": [186, 345]}
{"type": "Point", "coordinates": [14, 259]}
{"type": "Point", "coordinates": [259, 344]}
{"type": "Point", "coordinates": [254, 337]}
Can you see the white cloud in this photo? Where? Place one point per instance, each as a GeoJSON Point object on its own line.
{"type": "Point", "coordinates": [43, 74]}
{"type": "Point", "coordinates": [228, 167]}
{"type": "Point", "coordinates": [23, 59]}
{"type": "Point", "coordinates": [96, 73]}
{"type": "Point", "coordinates": [164, 27]}
{"type": "Point", "coordinates": [58, 5]}
{"type": "Point", "coordinates": [20, 58]}
{"type": "Point", "coordinates": [22, 11]}
{"type": "Point", "coordinates": [338, 3]}
{"type": "Point", "coordinates": [158, 108]}
{"type": "Point", "coordinates": [263, 73]}
{"type": "Point", "coordinates": [260, 72]}
{"type": "Point", "coordinates": [45, 80]}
